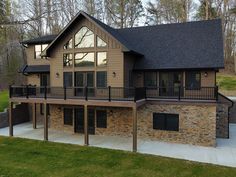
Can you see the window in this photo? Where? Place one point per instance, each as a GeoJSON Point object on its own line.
{"type": "Point", "coordinates": [84, 59]}
{"type": "Point", "coordinates": [100, 42]}
{"type": "Point", "coordinates": [68, 116]}
{"type": "Point", "coordinates": [67, 79]}
{"type": "Point", "coordinates": [101, 58]}
{"type": "Point", "coordinates": [150, 79]}
{"type": "Point", "coordinates": [84, 38]}
{"type": "Point", "coordinates": [101, 118]}
{"type": "Point", "coordinates": [193, 80]}
{"type": "Point", "coordinates": [68, 45]}
{"type": "Point", "coordinates": [38, 50]}
{"type": "Point", "coordinates": [164, 121]}
{"type": "Point", "coordinates": [102, 79]}
{"type": "Point", "coordinates": [67, 60]}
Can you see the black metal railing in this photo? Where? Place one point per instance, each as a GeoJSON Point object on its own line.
{"type": "Point", "coordinates": [114, 93]}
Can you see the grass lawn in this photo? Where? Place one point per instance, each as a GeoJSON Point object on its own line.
{"type": "Point", "coordinates": [227, 84]}
{"type": "Point", "coordinates": [3, 100]}
{"type": "Point", "coordinates": [21, 157]}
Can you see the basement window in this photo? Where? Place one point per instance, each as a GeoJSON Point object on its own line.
{"type": "Point", "coordinates": [101, 116]}
{"type": "Point", "coordinates": [68, 116]}
{"type": "Point", "coordinates": [164, 121]}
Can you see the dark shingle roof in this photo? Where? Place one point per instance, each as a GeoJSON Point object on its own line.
{"type": "Point", "coordinates": [28, 69]}
{"type": "Point", "coordinates": [178, 46]}
{"type": "Point", "coordinates": [191, 45]}
{"type": "Point", "coordinates": [40, 40]}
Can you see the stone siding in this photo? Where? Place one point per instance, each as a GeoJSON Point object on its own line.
{"type": "Point", "coordinates": [119, 123]}
{"type": "Point", "coordinates": [222, 127]}
{"type": "Point", "coordinates": [197, 123]}
{"type": "Point", "coordinates": [56, 119]}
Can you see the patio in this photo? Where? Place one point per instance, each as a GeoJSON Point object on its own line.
{"type": "Point", "coordinates": [223, 154]}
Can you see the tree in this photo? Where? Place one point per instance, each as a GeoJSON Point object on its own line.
{"type": "Point", "coordinates": [169, 11]}
{"type": "Point", "coordinates": [206, 10]}
{"type": "Point", "coordinates": [123, 13]}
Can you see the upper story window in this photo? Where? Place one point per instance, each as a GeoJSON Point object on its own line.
{"type": "Point", "coordinates": [84, 59]}
{"type": "Point", "coordinates": [193, 80]}
{"type": "Point", "coordinates": [68, 45]}
{"type": "Point", "coordinates": [150, 79]}
{"type": "Point", "coordinates": [84, 38]}
{"type": "Point", "coordinates": [101, 58]}
{"type": "Point", "coordinates": [67, 59]}
{"type": "Point", "coordinates": [100, 42]}
{"type": "Point", "coordinates": [38, 50]}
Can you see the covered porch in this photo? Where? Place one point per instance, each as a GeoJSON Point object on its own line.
{"type": "Point", "coordinates": [224, 154]}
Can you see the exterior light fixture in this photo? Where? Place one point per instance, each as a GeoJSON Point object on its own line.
{"type": "Point", "coordinates": [57, 75]}
{"type": "Point", "coordinates": [205, 74]}
{"type": "Point", "coordinates": [114, 74]}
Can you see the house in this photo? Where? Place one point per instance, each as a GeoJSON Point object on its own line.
{"type": "Point", "coordinates": [151, 82]}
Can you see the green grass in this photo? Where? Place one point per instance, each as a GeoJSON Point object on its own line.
{"type": "Point", "coordinates": [3, 100]}
{"type": "Point", "coordinates": [21, 157]}
{"type": "Point", "coordinates": [226, 82]}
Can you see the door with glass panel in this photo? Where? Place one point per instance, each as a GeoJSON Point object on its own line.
{"type": "Point", "coordinates": [82, 80]}
{"type": "Point", "coordinates": [170, 83]}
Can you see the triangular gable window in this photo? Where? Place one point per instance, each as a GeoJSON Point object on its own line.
{"type": "Point", "coordinates": [100, 42]}
{"type": "Point", "coordinates": [68, 45]}
{"type": "Point", "coordinates": [84, 38]}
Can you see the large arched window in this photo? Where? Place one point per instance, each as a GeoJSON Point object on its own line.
{"type": "Point", "coordinates": [84, 38]}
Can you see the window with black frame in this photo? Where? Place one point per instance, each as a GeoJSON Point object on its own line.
{"type": "Point", "coordinates": [150, 79]}
{"type": "Point", "coordinates": [67, 59]}
{"type": "Point", "coordinates": [166, 121]}
{"type": "Point", "coordinates": [101, 116]}
{"type": "Point", "coordinates": [101, 79]}
{"type": "Point", "coordinates": [68, 116]}
{"type": "Point", "coordinates": [67, 79]}
{"type": "Point", "coordinates": [193, 80]}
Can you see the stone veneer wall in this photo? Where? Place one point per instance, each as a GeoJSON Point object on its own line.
{"type": "Point", "coordinates": [119, 123]}
{"type": "Point", "coordinates": [222, 128]}
{"type": "Point", "coordinates": [56, 120]}
{"type": "Point", "coordinates": [197, 123]}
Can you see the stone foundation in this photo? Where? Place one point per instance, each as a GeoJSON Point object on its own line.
{"type": "Point", "coordinates": [222, 124]}
{"type": "Point", "coordinates": [197, 122]}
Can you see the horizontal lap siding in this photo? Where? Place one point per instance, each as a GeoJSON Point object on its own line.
{"type": "Point", "coordinates": [30, 57]}
{"type": "Point", "coordinates": [115, 56]}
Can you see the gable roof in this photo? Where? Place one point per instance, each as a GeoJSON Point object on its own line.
{"type": "Point", "coordinates": [40, 40]}
{"type": "Point", "coordinates": [178, 46]}
{"type": "Point", "coordinates": [191, 45]}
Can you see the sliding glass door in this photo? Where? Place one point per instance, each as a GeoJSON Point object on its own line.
{"type": "Point", "coordinates": [82, 80]}
{"type": "Point", "coordinates": [170, 82]}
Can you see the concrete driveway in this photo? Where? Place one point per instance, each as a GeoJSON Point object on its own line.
{"type": "Point", "coordinates": [223, 154]}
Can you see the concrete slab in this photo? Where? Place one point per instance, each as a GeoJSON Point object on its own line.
{"type": "Point", "coordinates": [224, 154]}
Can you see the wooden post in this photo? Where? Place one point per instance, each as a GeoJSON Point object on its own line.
{"type": "Point", "coordinates": [10, 117]}
{"type": "Point", "coordinates": [135, 129]}
{"type": "Point", "coordinates": [34, 116]}
{"type": "Point", "coordinates": [86, 136]}
{"type": "Point", "coordinates": [45, 122]}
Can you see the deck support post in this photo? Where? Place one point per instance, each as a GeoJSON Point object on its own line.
{"type": "Point", "coordinates": [86, 136]}
{"type": "Point", "coordinates": [10, 118]}
{"type": "Point", "coordinates": [135, 129]}
{"type": "Point", "coordinates": [34, 116]}
{"type": "Point", "coordinates": [45, 122]}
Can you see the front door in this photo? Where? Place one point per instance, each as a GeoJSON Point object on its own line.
{"type": "Point", "coordinates": [170, 82]}
{"type": "Point", "coordinates": [79, 120]}
{"type": "Point", "coordinates": [82, 80]}
{"type": "Point", "coordinates": [44, 81]}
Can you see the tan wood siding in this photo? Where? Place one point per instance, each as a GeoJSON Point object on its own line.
{"type": "Point", "coordinates": [33, 79]}
{"type": "Point", "coordinates": [30, 57]}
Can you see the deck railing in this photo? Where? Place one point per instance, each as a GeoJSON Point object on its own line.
{"type": "Point", "coordinates": [114, 93]}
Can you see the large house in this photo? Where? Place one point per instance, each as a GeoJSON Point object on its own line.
{"type": "Point", "coordinates": [151, 82]}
